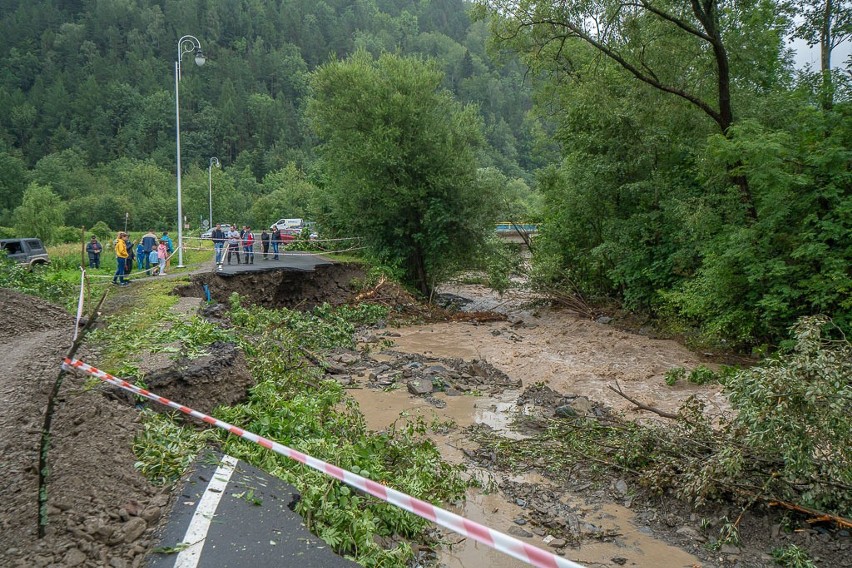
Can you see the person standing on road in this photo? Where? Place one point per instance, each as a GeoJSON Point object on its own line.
{"type": "Point", "coordinates": [149, 243]}
{"type": "Point", "coordinates": [233, 244]}
{"type": "Point", "coordinates": [264, 243]}
{"type": "Point", "coordinates": [94, 248]}
{"type": "Point", "coordinates": [218, 236]}
{"type": "Point", "coordinates": [276, 241]}
{"type": "Point", "coordinates": [248, 245]}
{"type": "Point", "coordinates": [120, 260]}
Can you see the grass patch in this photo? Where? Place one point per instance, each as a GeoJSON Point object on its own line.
{"type": "Point", "coordinates": [292, 404]}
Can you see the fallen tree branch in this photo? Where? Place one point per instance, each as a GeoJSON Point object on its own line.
{"type": "Point", "coordinates": [640, 405]}
{"type": "Point", "coordinates": [816, 516]}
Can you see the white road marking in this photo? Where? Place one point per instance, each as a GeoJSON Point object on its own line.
{"type": "Point", "coordinates": [196, 533]}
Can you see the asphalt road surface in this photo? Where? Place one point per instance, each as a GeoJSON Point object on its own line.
{"type": "Point", "coordinates": [291, 260]}
{"type": "Point", "coordinates": [230, 514]}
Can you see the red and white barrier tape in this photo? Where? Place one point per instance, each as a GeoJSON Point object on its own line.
{"type": "Point", "coordinates": [495, 539]}
{"type": "Point", "coordinates": [80, 303]}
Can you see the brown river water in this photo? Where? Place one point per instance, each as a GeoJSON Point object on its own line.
{"type": "Point", "coordinates": [571, 355]}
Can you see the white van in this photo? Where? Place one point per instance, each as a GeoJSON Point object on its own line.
{"type": "Point", "coordinates": [289, 225]}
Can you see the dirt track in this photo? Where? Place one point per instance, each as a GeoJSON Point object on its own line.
{"type": "Point", "coordinates": [99, 505]}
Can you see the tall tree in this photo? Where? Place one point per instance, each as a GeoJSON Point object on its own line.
{"type": "Point", "coordinates": [670, 46]}
{"type": "Point", "coordinates": [826, 23]}
{"type": "Point", "coordinates": [400, 154]}
{"type": "Point", "coordinates": [41, 213]}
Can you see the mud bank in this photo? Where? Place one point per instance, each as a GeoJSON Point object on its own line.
{"type": "Point", "coordinates": [279, 287]}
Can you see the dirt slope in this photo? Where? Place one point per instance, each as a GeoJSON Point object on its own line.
{"type": "Point", "coordinates": [99, 505]}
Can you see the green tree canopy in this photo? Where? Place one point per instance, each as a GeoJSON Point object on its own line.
{"type": "Point", "coordinates": [41, 213]}
{"type": "Point", "coordinates": [400, 157]}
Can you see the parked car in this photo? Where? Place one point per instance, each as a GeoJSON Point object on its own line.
{"type": "Point", "coordinates": [290, 226]}
{"type": "Point", "coordinates": [209, 232]}
{"type": "Point", "coordinates": [29, 251]}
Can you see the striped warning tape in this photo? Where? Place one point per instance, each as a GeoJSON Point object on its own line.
{"type": "Point", "coordinates": [490, 537]}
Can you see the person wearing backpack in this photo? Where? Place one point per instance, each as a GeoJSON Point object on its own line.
{"type": "Point", "coordinates": [148, 243]}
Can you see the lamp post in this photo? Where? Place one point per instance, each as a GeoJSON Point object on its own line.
{"type": "Point", "coordinates": [213, 160]}
{"type": "Point", "coordinates": [186, 44]}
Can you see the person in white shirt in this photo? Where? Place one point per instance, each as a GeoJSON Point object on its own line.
{"type": "Point", "coordinates": [233, 244]}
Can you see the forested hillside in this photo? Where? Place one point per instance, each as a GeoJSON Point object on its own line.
{"type": "Point", "coordinates": [87, 98]}
{"type": "Point", "coordinates": [679, 161]}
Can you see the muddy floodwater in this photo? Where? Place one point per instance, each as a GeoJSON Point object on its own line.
{"type": "Point", "coordinates": [571, 355]}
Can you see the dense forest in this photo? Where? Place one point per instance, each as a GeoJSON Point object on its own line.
{"type": "Point", "coordinates": [88, 97]}
{"type": "Point", "coordinates": [676, 158]}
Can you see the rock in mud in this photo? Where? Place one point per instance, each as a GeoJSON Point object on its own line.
{"type": "Point", "coordinates": [74, 557]}
{"type": "Point", "coordinates": [436, 402]}
{"type": "Point", "coordinates": [420, 387]}
{"type": "Point", "coordinates": [345, 358]}
{"type": "Point", "coordinates": [133, 529]}
{"type": "Point", "coordinates": [517, 531]}
{"type": "Point", "coordinates": [580, 406]}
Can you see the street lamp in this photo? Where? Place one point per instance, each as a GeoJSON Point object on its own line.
{"type": "Point", "coordinates": [213, 160]}
{"type": "Point", "coordinates": [186, 44]}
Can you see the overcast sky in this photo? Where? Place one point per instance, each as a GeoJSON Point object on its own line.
{"type": "Point", "coordinates": [805, 54]}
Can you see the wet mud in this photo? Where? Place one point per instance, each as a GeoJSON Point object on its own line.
{"type": "Point", "coordinates": [281, 288]}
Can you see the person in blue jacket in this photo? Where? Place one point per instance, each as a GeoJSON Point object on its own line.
{"type": "Point", "coordinates": [140, 254]}
{"type": "Point", "coordinates": [149, 242]}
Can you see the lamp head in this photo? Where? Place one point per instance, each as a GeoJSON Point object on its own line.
{"type": "Point", "coordinates": [199, 57]}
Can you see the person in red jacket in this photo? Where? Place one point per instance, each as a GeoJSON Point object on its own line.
{"type": "Point", "coordinates": [248, 245]}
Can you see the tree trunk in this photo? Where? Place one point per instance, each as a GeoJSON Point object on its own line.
{"type": "Point", "coordinates": [825, 57]}
{"type": "Point", "coordinates": [419, 269]}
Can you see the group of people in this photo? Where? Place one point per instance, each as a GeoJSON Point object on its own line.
{"type": "Point", "coordinates": [151, 254]}
{"type": "Point", "coordinates": [244, 240]}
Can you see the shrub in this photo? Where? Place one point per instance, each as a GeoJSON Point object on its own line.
{"type": "Point", "coordinates": [794, 410]}
{"type": "Point", "coordinates": [102, 231]}
{"type": "Point", "coordinates": [40, 281]}
{"type": "Point", "coordinates": [67, 235]}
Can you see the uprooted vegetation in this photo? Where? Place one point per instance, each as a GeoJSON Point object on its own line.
{"type": "Point", "coordinates": [787, 441]}
{"type": "Point", "coordinates": [292, 403]}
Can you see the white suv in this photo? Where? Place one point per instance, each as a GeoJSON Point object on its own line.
{"type": "Point", "coordinates": [293, 226]}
